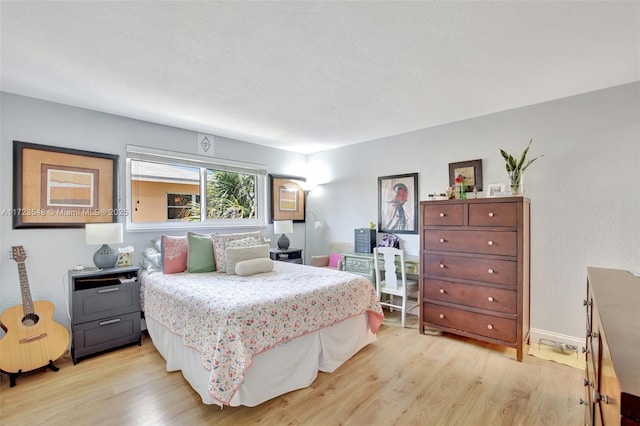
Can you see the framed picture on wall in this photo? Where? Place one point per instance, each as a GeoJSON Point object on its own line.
{"type": "Point", "coordinates": [287, 198]}
{"type": "Point", "coordinates": [471, 171]}
{"type": "Point", "coordinates": [56, 187]}
{"type": "Point", "coordinates": [398, 204]}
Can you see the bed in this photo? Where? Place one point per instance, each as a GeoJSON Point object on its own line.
{"type": "Point", "coordinates": [242, 340]}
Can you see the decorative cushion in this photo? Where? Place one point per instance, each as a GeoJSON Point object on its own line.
{"type": "Point", "coordinates": [174, 254]}
{"type": "Point", "coordinates": [243, 242]}
{"type": "Point", "coordinates": [220, 242]}
{"type": "Point", "coordinates": [334, 258]}
{"type": "Point", "coordinates": [200, 255]}
{"type": "Point", "coordinates": [238, 254]}
{"type": "Point", "coordinates": [254, 266]}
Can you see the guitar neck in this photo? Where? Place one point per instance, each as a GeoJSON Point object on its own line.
{"type": "Point", "coordinates": [27, 303]}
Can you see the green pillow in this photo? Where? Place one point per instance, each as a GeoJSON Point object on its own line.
{"type": "Point", "coordinates": [200, 256]}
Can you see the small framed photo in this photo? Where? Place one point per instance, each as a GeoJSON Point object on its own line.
{"type": "Point", "coordinates": [495, 189]}
{"type": "Point", "coordinates": [471, 172]}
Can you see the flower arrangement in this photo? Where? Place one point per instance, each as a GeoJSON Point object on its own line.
{"type": "Point", "coordinates": [516, 168]}
{"type": "Point", "coordinates": [460, 183]}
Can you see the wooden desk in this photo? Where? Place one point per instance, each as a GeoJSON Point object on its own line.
{"type": "Point", "coordinates": [362, 264]}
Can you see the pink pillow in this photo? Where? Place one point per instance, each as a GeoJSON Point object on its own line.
{"type": "Point", "coordinates": [334, 258]}
{"type": "Point", "coordinates": [174, 254]}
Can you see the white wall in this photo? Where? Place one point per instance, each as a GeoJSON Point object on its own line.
{"type": "Point", "coordinates": [585, 199]}
{"type": "Point", "coordinates": [52, 252]}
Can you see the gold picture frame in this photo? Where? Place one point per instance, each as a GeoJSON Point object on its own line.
{"type": "Point", "coordinates": [56, 187]}
{"type": "Point", "coordinates": [287, 198]}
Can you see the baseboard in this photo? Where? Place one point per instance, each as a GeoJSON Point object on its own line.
{"type": "Point", "coordinates": [535, 335]}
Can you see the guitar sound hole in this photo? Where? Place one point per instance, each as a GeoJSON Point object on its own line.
{"type": "Point", "coordinates": [30, 320]}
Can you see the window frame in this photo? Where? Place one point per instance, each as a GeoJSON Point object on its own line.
{"type": "Point", "coordinates": [140, 153]}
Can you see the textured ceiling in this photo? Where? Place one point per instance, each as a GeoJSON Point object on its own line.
{"type": "Point", "coordinates": [309, 76]}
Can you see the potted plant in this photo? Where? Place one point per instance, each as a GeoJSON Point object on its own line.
{"type": "Point", "coordinates": [515, 169]}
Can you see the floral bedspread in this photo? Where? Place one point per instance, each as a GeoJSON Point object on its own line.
{"type": "Point", "coordinates": [230, 319]}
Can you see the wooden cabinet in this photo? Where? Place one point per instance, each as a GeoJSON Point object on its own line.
{"type": "Point", "coordinates": [105, 309]}
{"type": "Point", "coordinates": [612, 368]}
{"type": "Point", "coordinates": [474, 271]}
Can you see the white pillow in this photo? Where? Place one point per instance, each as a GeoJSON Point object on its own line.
{"type": "Point", "coordinates": [254, 266]}
{"type": "Point", "coordinates": [234, 255]}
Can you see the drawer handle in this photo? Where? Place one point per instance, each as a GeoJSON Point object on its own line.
{"type": "Point", "coordinates": [109, 290]}
{"type": "Point", "coordinates": [442, 240]}
{"type": "Point", "coordinates": [441, 316]}
{"type": "Point", "coordinates": [491, 214]}
{"type": "Point", "coordinates": [111, 321]}
{"type": "Point", "coordinates": [490, 270]}
{"type": "Point", "coordinates": [490, 242]}
{"type": "Point", "coordinates": [442, 215]}
{"type": "Point", "coordinates": [442, 291]}
{"type": "Point", "coordinates": [490, 327]}
{"type": "Point", "coordinates": [442, 266]}
{"type": "Point", "coordinates": [490, 299]}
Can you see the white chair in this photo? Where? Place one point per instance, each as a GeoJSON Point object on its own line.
{"type": "Point", "coordinates": [390, 284]}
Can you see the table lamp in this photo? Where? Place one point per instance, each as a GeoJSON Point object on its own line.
{"type": "Point", "coordinates": [283, 227]}
{"type": "Point", "coordinates": [104, 233]}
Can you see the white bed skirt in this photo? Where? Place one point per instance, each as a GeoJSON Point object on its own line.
{"type": "Point", "coordinates": [289, 366]}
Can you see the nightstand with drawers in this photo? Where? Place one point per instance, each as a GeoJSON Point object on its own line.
{"type": "Point", "coordinates": [292, 255]}
{"type": "Point", "coordinates": [105, 309]}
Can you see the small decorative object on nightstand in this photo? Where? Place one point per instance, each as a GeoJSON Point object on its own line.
{"type": "Point", "coordinates": [292, 255]}
{"type": "Point", "coordinates": [105, 309]}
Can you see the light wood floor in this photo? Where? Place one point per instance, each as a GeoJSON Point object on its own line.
{"type": "Point", "coordinates": [402, 379]}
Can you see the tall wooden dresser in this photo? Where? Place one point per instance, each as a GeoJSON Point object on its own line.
{"type": "Point", "coordinates": [612, 373]}
{"type": "Point", "coordinates": [474, 273]}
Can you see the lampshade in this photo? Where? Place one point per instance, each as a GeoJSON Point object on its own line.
{"type": "Point", "coordinates": [103, 233]}
{"type": "Point", "coordinates": [282, 226]}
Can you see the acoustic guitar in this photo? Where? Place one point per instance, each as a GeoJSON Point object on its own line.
{"type": "Point", "coordinates": [32, 338]}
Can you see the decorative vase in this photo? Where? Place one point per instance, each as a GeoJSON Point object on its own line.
{"type": "Point", "coordinates": [463, 194]}
{"type": "Point", "coordinates": [515, 182]}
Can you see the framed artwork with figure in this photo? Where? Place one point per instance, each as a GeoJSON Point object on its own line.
{"type": "Point", "coordinates": [398, 204]}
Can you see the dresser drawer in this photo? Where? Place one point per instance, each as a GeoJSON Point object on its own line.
{"type": "Point", "coordinates": [483, 242]}
{"type": "Point", "coordinates": [477, 296]}
{"type": "Point", "coordinates": [96, 303]}
{"type": "Point", "coordinates": [107, 333]}
{"type": "Point", "coordinates": [493, 214]}
{"type": "Point", "coordinates": [471, 268]}
{"type": "Point", "coordinates": [503, 329]}
{"type": "Point", "coordinates": [443, 214]}
{"type": "Point", "coordinates": [362, 266]}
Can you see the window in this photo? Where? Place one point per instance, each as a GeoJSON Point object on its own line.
{"type": "Point", "coordinates": [179, 206]}
{"type": "Point", "coordinates": [173, 190]}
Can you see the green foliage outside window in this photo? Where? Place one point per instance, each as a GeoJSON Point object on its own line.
{"type": "Point", "coordinates": [230, 195]}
